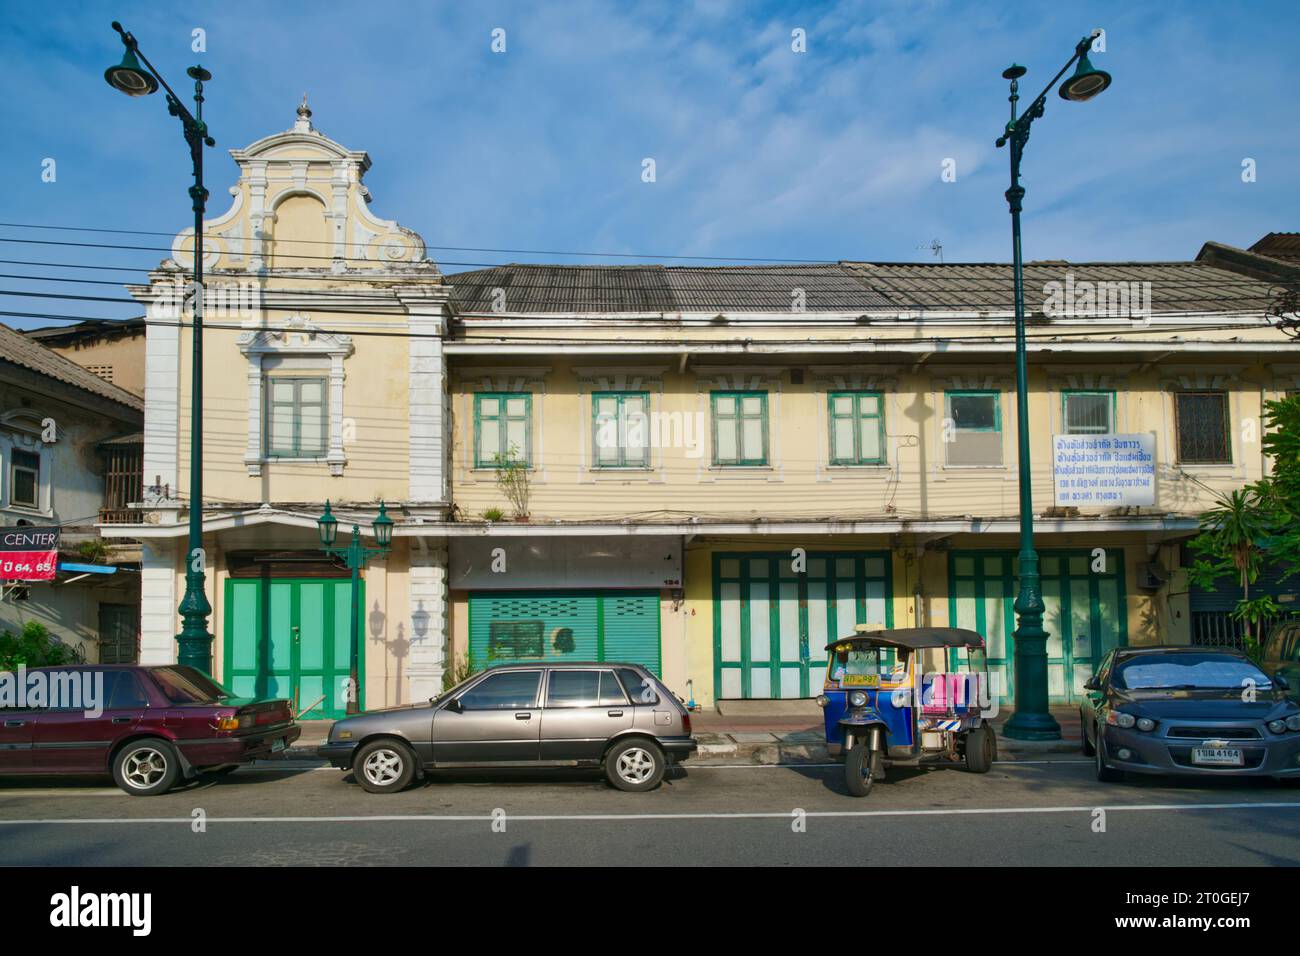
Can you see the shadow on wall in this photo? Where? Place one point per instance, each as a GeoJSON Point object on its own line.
{"type": "Point", "coordinates": [397, 650]}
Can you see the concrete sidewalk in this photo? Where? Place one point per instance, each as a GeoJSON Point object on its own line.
{"type": "Point", "coordinates": [769, 739]}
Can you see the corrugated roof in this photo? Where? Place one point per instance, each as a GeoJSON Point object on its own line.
{"type": "Point", "coordinates": [656, 288]}
{"type": "Point", "coordinates": [825, 287]}
{"type": "Point", "coordinates": [843, 287]}
{"type": "Point", "coordinates": [1174, 286]}
{"type": "Point", "coordinates": [18, 349]}
{"type": "Point", "coordinates": [1279, 245]}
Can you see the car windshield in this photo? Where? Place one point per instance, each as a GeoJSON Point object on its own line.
{"type": "Point", "coordinates": [864, 659]}
{"type": "Point", "coordinates": [452, 691]}
{"type": "Point", "coordinates": [185, 685]}
{"type": "Point", "coordinates": [1189, 671]}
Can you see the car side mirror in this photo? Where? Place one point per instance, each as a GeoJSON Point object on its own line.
{"type": "Point", "coordinates": [455, 706]}
{"type": "Point", "coordinates": [1281, 681]}
{"type": "Point", "coordinates": [1091, 684]}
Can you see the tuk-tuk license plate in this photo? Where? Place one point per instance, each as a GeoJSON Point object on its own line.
{"type": "Point", "coordinates": [1219, 756]}
{"type": "Point", "coordinates": [861, 680]}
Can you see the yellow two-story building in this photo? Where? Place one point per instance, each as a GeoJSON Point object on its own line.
{"type": "Point", "coordinates": [710, 470]}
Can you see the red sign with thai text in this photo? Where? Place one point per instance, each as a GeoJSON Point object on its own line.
{"type": "Point", "coordinates": [28, 553]}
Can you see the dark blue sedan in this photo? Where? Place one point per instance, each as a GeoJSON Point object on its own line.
{"type": "Point", "coordinates": [1206, 711]}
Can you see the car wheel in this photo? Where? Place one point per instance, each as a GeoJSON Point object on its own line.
{"type": "Point", "coordinates": [981, 747]}
{"type": "Point", "coordinates": [635, 766]}
{"type": "Point", "coordinates": [1104, 774]}
{"type": "Point", "coordinates": [862, 768]}
{"type": "Point", "coordinates": [384, 766]}
{"type": "Point", "coordinates": [146, 767]}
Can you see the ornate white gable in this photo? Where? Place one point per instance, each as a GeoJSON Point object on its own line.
{"type": "Point", "coordinates": [303, 162]}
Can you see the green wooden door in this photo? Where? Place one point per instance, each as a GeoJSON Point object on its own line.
{"type": "Point", "coordinates": [1085, 612]}
{"type": "Point", "coordinates": [289, 637]}
{"type": "Point", "coordinates": [773, 616]}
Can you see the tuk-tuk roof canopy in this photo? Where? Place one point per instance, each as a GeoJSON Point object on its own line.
{"type": "Point", "coordinates": [914, 637]}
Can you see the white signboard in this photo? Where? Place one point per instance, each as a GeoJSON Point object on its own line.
{"type": "Point", "coordinates": [1104, 471]}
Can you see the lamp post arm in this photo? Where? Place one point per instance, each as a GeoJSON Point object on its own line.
{"type": "Point", "coordinates": [1018, 127]}
{"type": "Point", "coordinates": [173, 101]}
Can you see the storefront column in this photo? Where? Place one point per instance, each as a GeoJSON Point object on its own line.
{"type": "Point", "coordinates": [427, 583]}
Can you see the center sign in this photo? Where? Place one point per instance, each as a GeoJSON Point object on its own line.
{"type": "Point", "coordinates": [28, 553]}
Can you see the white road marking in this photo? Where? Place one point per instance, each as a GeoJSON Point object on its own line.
{"type": "Point", "coordinates": [626, 817]}
{"type": "Point", "coordinates": [52, 792]}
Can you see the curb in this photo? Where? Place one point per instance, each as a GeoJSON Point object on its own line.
{"type": "Point", "coordinates": [721, 749]}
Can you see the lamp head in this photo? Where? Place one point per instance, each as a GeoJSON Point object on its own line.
{"type": "Point", "coordinates": [129, 77]}
{"type": "Point", "coordinates": [1086, 83]}
{"type": "Point", "coordinates": [383, 528]}
{"type": "Point", "coordinates": [328, 526]}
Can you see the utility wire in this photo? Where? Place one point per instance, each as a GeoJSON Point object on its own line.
{"type": "Point", "coordinates": [867, 270]}
{"type": "Point", "coordinates": [623, 341]}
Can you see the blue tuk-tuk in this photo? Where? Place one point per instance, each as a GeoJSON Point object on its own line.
{"type": "Point", "coordinates": [882, 709]}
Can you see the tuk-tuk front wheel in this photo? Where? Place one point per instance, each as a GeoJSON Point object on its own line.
{"type": "Point", "coordinates": [862, 767]}
{"type": "Point", "coordinates": [981, 748]}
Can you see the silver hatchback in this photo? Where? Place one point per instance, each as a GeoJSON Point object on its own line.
{"type": "Point", "coordinates": [616, 717]}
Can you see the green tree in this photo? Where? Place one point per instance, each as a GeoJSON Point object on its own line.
{"type": "Point", "coordinates": [1256, 523]}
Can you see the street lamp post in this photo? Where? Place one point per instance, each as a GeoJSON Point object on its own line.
{"type": "Point", "coordinates": [129, 78]}
{"type": "Point", "coordinates": [1032, 720]}
{"type": "Point", "coordinates": [355, 555]}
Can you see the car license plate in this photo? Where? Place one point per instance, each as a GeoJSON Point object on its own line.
{"type": "Point", "coordinates": [861, 680]}
{"type": "Point", "coordinates": [277, 745]}
{"type": "Point", "coordinates": [1219, 756]}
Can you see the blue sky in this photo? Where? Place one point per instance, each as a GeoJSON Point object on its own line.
{"type": "Point", "coordinates": [835, 153]}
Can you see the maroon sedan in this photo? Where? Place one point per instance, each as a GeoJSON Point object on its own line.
{"type": "Point", "coordinates": [148, 726]}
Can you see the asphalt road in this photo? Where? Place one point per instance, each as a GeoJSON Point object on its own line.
{"type": "Point", "coordinates": [1023, 813]}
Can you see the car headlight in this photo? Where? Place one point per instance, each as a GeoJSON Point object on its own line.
{"type": "Point", "coordinates": [1277, 726]}
{"type": "Point", "coordinates": [858, 699]}
{"type": "Point", "coordinates": [1293, 722]}
{"type": "Point", "coordinates": [1146, 724]}
{"type": "Point", "coordinates": [1120, 719]}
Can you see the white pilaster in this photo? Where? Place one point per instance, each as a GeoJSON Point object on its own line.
{"type": "Point", "coordinates": [161, 396]}
{"type": "Point", "coordinates": [427, 405]}
{"type": "Point", "coordinates": [159, 620]}
{"type": "Point", "coordinates": [427, 593]}
{"type": "Point", "coordinates": [253, 448]}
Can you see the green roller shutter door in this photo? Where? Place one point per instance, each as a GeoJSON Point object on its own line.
{"type": "Point", "coordinates": [506, 626]}
{"type": "Point", "coordinates": [631, 628]}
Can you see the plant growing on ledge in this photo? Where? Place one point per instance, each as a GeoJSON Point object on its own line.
{"type": "Point", "coordinates": [512, 477]}
{"type": "Point", "coordinates": [493, 514]}
{"type": "Point", "coordinates": [93, 550]}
